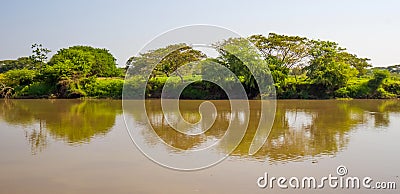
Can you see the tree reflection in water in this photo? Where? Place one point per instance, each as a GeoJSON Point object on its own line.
{"type": "Point", "coordinates": [71, 121]}
{"type": "Point", "coordinates": [302, 128]}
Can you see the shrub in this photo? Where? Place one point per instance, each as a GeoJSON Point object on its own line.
{"type": "Point", "coordinates": [392, 86]}
{"type": "Point", "coordinates": [105, 88]}
{"type": "Point", "coordinates": [133, 87]}
{"type": "Point", "coordinates": [19, 77]}
{"type": "Point", "coordinates": [68, 88]}
{"type": "Point", "coordinates": [377, 80]}
{"type": "Point", "coordinates": [360, 90]}
{"type": "Point", "coordinates": [381, 93]}
{"type": "Point", "coordinates": [36, 89]}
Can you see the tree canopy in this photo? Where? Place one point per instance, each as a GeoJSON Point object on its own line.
{"type": "Point", "coordinates": [328, 67]}
{"type": "Point", "coordinates": [83, 61]}
{"type": "Point", "coordinates": [289, 50]}
{"type": "Point", "coordinates": [166, 60]}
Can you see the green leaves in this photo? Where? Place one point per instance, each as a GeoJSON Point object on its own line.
{"type": "Point", "coordinates": [291, 51]}
{"type": "Point", "coordinates": [300, 67]}
{"type": "Point", "coordinates": [18, 77]}
{"type": "Point", "coordinates": [105, 88]}
{"type": "Point", "coordinates": [377, 80]}
{"type": "Point", "coordinates": [329, 65]}
{"type": "Point", "coordinates": [20, 63]}
{"type": "Point", "coordinates": [166, 60]}
{"type": "Point", "coordinates": [83, 61]}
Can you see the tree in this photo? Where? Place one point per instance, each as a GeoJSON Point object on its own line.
{"type": "Point", "coordinates": [166, 60]}
{"type": "Point", "coordinates": [375, 84]}
{"type": "Point", "coordinates": [378, 78]}
{"type": "Point", "coordinates": [18, 77]}
{"type": "Point", "coordinates": [327, 67]}
{"type": "Point", "coordinates": [240, 57]}
{"type": "Point", "coordinates": [39, 54]}
{"type": "Point", "coordinates": [178, 58]}
{"type": "Point", "coordinates": [35, 61]}
{"type": "Point", "coordinates": [291, 51]}
{"type": "Point", "coordinates": [82, 61]}
{"type": "Point", "coordinates": [20, 63]}
{"type": "Point", "coordinates": [391, 69]}
{"type": "Point", "coordinates": [279, 72]}
{"type": "Point", "coordinates": [361, 64]}
{"type": "Point", "coordinates": [394, 68]}
{"type": "Point", "coordinates": [69, 64]}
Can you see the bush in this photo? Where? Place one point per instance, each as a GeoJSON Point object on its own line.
{"type": "Point", "coordinates": [68, 88]}
{"type": "Point", "coordinates": [381, 93]}
{"type": "Point", "coordinates": [36, 89]}
{"type": "Point", "coordinates": [105, 88]}
{"type": "Point", "coordinates": [392, 86]}
{"type": "Point", "coordinates": [360, 90]}
{"type": "Point", "coordinates": [86, 61]}
{"type": "Point", "coordinates": [133, 87]}
{"type": "Point", "coordinates": [19, 77]}
{"type": "Point", "coordinates": [377, 80]}
{"type": "Point", "coordinates": [377, 87]}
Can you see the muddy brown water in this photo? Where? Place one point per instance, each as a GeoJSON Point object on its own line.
{"type": "Point", "coordinates": [78, 146]}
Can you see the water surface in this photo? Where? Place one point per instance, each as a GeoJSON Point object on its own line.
{"type": "Point", "coordinates": [76, 146]}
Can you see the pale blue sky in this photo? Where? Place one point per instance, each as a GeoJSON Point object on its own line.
{"type": "Point", "coordinates": [367, 28]}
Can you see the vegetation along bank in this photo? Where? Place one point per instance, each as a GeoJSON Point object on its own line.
{"type": "Point", "coordinates": [301, 69]}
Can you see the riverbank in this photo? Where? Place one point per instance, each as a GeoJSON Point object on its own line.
{"type": "Point", "coordinates": [87, 72]}
{"type": "Point", "coordinates": [112, 88]}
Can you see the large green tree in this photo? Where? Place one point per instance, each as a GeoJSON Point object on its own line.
{"type": "Point", "coordinates": [291, 51]}
{"type": "Point", "coordinates": [166, 60]}
{"type": "Point", "coordinates": [327, 67]}
{"type": "Point", "coordinates": [244, 60]}
{"type": "Point", "coordinates": [82, 61]}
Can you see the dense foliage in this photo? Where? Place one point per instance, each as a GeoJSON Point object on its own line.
{"type": "Point", "coordinates": [71, 72]}
{"type": "Point", "coordinates": [300, 68]}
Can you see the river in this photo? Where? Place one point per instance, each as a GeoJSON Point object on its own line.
{"type": "Point", "coordinates": [83, 146]}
